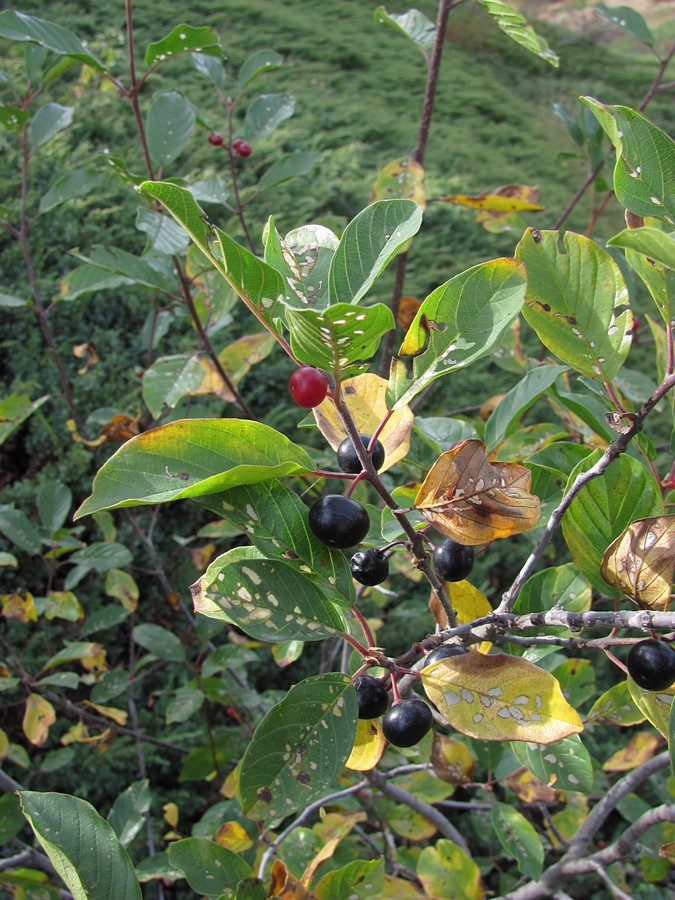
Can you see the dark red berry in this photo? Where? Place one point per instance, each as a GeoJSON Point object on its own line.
{"type": "Point", "coordinates": [338, 521]}
{"type": "Point", "coordinates": [445, 651]}
{"type": "Point", "coordinates": [215, 139]}
{"type": "Point", "coordinates": [406, 723]}
{"type": "Point", "coordinates": [372, 696]}
{"type": "Point", "coordinates": [241, 147]}
{"type": "Point", "coordinates": [308, 386]}
{"type": "Point", "coordinates": [348, 461]}
{"type": "Point", "coordinates": [369, 567]}
{"type": "Point", "coordinates": [651, 665]}
{"type": "Point", "coordinates": [453, 561]}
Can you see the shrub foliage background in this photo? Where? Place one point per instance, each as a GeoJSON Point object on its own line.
{"type": "Point", "coordinates": [160, 285]}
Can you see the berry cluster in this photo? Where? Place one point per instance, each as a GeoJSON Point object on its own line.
{"type": "Point", "coordinates": [404, 723]}
{"type": "Point", "coordinates": [240, 147]}
{"type": "Point", "coordinates": [651, 665]}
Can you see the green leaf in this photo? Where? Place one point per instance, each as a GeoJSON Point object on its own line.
{"type": "Point", "coordinates": [209, 868]}
{"type": "Point", "coordinates": [458, 323]}
{"type": "Point", "coordinates": [368, 244]}
{"type": "Point", "coordinates": [211, 190]}
{"type": "Point", "coordinates": [659, 281]}
{"type": "Point", "coordinates": [505, 418]}
{"type": "Point", "coordinates": [265, 115]}
{"type": "Point", "coordinates": [157, 866]}
{"type": "Point", "coordinates": [11, 818]}
{"type": "Point", "coordinates": [603, 508]}
{"type": "Point", "coordinates": [517, 28]}
{"type": "Point", "coordinates": [191, 458]}
{"type": "Point", "coordinates": [97, 557]}
{"type": "Point", "coordinates": [266, 598]}
{"type": "Point", "coordinates": [185, 703]}
{"type": "Point", "coordinates": [128, 812]}
{"type": "Point", "coordinates": [651, 242]}
{"type": "Point", "coordinates": [361, 879]}
{"type": "Point", "coordinates": [615, 707]}
{"type": "Point", "coordinates": [629, 19]}
{"type": "Point", "coordinates": [275, 520]}
{"type": "Point", "coordinates": [159, 641]}
{"type": "Point", "coordinates": [341, 339]}
{"type": "Point", "coordinates": [170, 123]}
{"type": "Point", "coordinates": [18, 26]}
{"type": "Point", "coordinates": [258, 62]}
{"type": "Point", "coordinates": [211, 67]}
{"type": "Point", "coordinates": [13, 118]}
{"type": "Point", "coordinates": [148, 273]}
{"type": "Point", "coordinates": [74, 651]}
{"type": "Point", "coordinates": [519, 839]}
{"type": "Point", "coordinates": [14, 410]}
{"type": "Point", "coordinates": [656, 706]}
{"type": "Point", "coordinates": [565, 764]}
{"type": "Point", "coordinates": [671, 737]}
{"type": "Point", "coordinates": [644, 173]}
{"type": "Point", "coordinates": [559, 586]}
{"type": "Point", "coordinates": [165, 235]}
{"type": "Point", "coordinates": [7, 301]}
{"type": "Point", "coordinates": [75, 183]}
{"type": "Point", "coordinates": [576, 301]}
{"type": "Point", "coordinates": [294, 165]}
{"type": "Point", "coordinates": [48, 121]}
{"type": "Point", "coordinates": [17, 528]}
{"type": "Point", "coordinates": [54, 501]}
{"type": "Point", "coordinates": [299, 748]}
{"type": "Point", "coordinates": [184, 39]}
{"type": "Point", "coordinates": [303, 258]}
{"type": "Point", "coordinates": [413, 24]}
{"type": "Point", "coordinates": [169, 379]}
{"type": "Point", "coordinates": [81, 845]}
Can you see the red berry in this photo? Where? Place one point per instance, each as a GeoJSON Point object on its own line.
{"type": "Point", "coordinates": [215, 139]}
{"type": "Point", "coordinates": [308, 386]}
{"type": "Point", "coordinates": [241, 147]}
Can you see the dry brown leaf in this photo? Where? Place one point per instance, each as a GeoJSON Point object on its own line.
{"type": "Point", "coordinates": [473, 501]}
{"type": "Point", "coordinates": [641, 560]}
{"type": "Point", "coordinates": [528, 788]}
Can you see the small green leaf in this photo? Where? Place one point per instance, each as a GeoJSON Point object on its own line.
{"type": "Point", "coordinates": [48, 121]}
{"type": "Point", "coordinates": [74, 651]}
{"type": "Point", "coordinates": [565, 764]}
{"type": "Point", "coordinates": [209, 868]}
{"type": "Point", "coordinates": [165, 235]}
{"type": "Point", "coordinates": [18, 26]}
{"type": "Point", "coordinates": [54, 501]}
{"type": "Point", "coordinates": [629, 19]}
{"type": "Point", "coordinates": [191, 458]}
{"type": "Point", "coordinates": [211, 190]}
{"type": "Point", "coordinates": [75, 183]}
{"type": "Point", "coordinates": [82, 846]}
{"type": "Point", "coordinates": [659, 281]}
{"type": "Point", "coordinates": [184, 39]}
{"type": "Point", "coordinates": [170, 123]}
{"type": "Point", "coordinates": [185, 702]}
{"type": "Point", "coordinates": [210, 66]}
{"type": "Point", "coordinates": [413, 24]}
{"type": "Point", "coordinates": [169, 379]}
{"type": "Point", "coordinates": [303, 258]}
{"type": "Point", "coordinates": [615, 707]}
{"type": "Point", "coordinates": [518, 839]}
{"type": "Point", "coordinates": [512, 23]}
{"type": "Point", "coordinates": [13, 118]}
{"type": "Point", "coordinates": [560, 586]}
{"type": "Point", "coordinates": [265, 115]}
{"type": "Point", "coordinates": [299, 748]}
{"type": "Point", "coordinates": [17, 528]}
{"type": "Point", "coordinates": [128, 812]}
{"type": "Point", "coordinates": [576, 301]}
{"type": "Point", "coordinates": [368, 244]}
{"type": "Point", "coordinates": [294, 165]}
{"type": "Point", "coordinates": [504, 419]}
{"type": "Point", "coordinates": [159, 641]}
{"type": "Point", "coordinates": [258, 62]}
{"type": "Point", "coordinates": [361, 879]}
{"type": "Point", "coordinates": [151, 274]}
{"type": "Point", "coordinates": [656, 706]}
{"type": "Point", "coordinates": [14, 410]}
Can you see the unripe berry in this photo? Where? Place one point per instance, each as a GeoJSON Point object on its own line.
{"type": "Point", "coordinates": [215, 139]}
{"type": "Point", "coordinates": [241, 147]}
{"type": "Point", "coordinates": [308, 386]}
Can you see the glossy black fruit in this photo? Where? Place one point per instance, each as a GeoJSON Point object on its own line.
{"type": "Point", "coordinates": [349, 462]}
{"type": "Point", "coordinates": [369, 566]}
{"type": "Point", "coordinates": [372, 696]}
{"type": "Point", "coordinates": [453, 561]}
{"type": "Point", "coordinates": [444, 652]}
{"type": "Point", "coordinates": [651, 665]}
{"type": "Point", "coordinates": [406, 723]}
{"type": "Point", "coordinates": [338, 521]}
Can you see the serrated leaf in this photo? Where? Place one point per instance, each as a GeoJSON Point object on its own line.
{"type": "Point", "coordinates": [369, 745]}
{"type": "Point", "coordinates": [258, 62]}
{"type": "Point", "coordinates": [184, 39]}
{"type": "Point", "coordinates": [656, 705]}
{"type": "Point", "coordinates": [169, 126]}
{"type": "Point", "coordinates": [446, 871]}
{"type": "Point", "coordinates": [519, 839]}
{"type": "Point", "coordinates": [615, 707]}
{"type": "Point", "coordinates": [641, 560]}
{"type": "Point", "coordinates": [516, 26]}
{"type": "Point", "coordinates": [39, 715]}
{"type": "Point", "coordinates": [159, 641]}
{"type": "Point", "coordinates": [473, 501]}
{"type": "Point", "coordinates": [275, 519]}
{"type": "Point", "coordinates": [500, 698]}
{"type": "Point", "coordinates": [48, 121]}
{"type": "Point", "coordinates": [576, 301]}
{"type": "Point", "coordinates": [505, 418]}
{"type": "Point", "coordinates": [191, 458]}
{"type": "Point", "coordinates": [265, 115]}
{"type": "Point", "coordinates": [18, 26]}
{"type": "Point", "coordinates": [128, 812]}
{"type": "Point", "coordinates": [644, 173]}
{"type": "Point", "coordinates": [303, 258]}
{"type": "Point", "coordinates": [602, 509]}
{"type": "Point", "coordinates": [209, 868]}
{"type": "Point", "coordinates": [458, 323]}
{"type": "Point", "coordinates": [82, 846]}
{"type": "Point", "coordinates": [402, 178]}
{"type": "Point", "coordinates": [368, 244]}
{"type": "Point", "coordinates": [629, 19]}
{"type": "Point", "coordinates": [341, 339]}
{"type": "Point", "coordinates": [266, 598]}
{"type": "Point", "coordinates": [413, 24]}
{"type": "Point", "coordinates": [299, 748]}
{"type": "Point", "coordinates": [565, 764]}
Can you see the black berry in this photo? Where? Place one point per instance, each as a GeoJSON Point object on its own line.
{"type": "Point", "coordinates": [308, 386]}
{"type": "Point", "coordinates": [406, 723]}
{"type": "Point", "coordinates": [349, 461]}
{"type": "Point", "coordinates": [369, 566]}
{"type": "Point", "coordinates": [445, 651]}
{"type": "Point", "coordinates": [372, 696]}
{"type": "Point", "coordinates": [338, 521]}
{"type": "Point", "coordinates": [453, 561]}
{"type": "Point", "coordinates": [651, 665]}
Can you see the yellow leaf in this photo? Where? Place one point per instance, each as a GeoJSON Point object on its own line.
{"type": "Point", "coordinates": [400, 889]}
{"type": "Point", "coordinates": [38, 716]}
{"type": "Point", "coordinates": [528, 788]}
{"type": "Point", "coordinates": [641, 747]}
{"type": "Point", "coordinates": [407, 310]}
{"type": "Point", "coordinates": [88, 353]}
{"type": "Point", "coordinates": [447, 873]}
{"type": "Point", "coordinates": [615, 707]}
{"type": "Point", "coordinates": [23, 609]}
{"type": "Point", "coordinates": [170, 814]}
{"type": "Point", "coordinates": [667, 851]}
{"type": "Point", "coordinates": [79, 734]}
{"type": "Point", "coordinates": [369, 745]}
{"type": "Point", "coordinates": [202, 556]}
{"type": "Point", "coordinates": [568, 821]}
{"type": "Point", "coordinates": [365, 396]}
{"type": "Point", "coordinates": [121, 585]}
{"type": "Point", "coordinates": [473, 501]}
{"type": "Point", "coordinates": [110, 712]}
{"type": "Point", "coordinates": [233, 836]}
{"type": "Point", "coordinates": [229, 786]}
{"type": "Point", "coordinates": [500, 201]}
{"type": "Point", "coordinates": [4, 745]}
{"type": "Point", "coordinates": [469, 603]}
{"type": "Point", "coordinates": [285, 886]}
{"type": "Point", "coordinates": [500, 698]}
{"type": "Point", "coordinates": [96, 662]}
{"type": "Point", "coordinates": [641, 560]}
{"type": "Point", "coordinates": [337, 825]}
{"type": "Point", "coordinates": [400, 179]}
{"type": "Point", "coordinates": [452, 760]}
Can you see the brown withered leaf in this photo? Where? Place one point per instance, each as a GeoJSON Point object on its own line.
{"type": "Point", "coordinates": [473, 501]}
{"type": "Point", "coordinates": [407, 310]}
{"type": "Point", "coordinates": [641, 560]}
{"type": "Point", "coordinates": [528, 788]}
